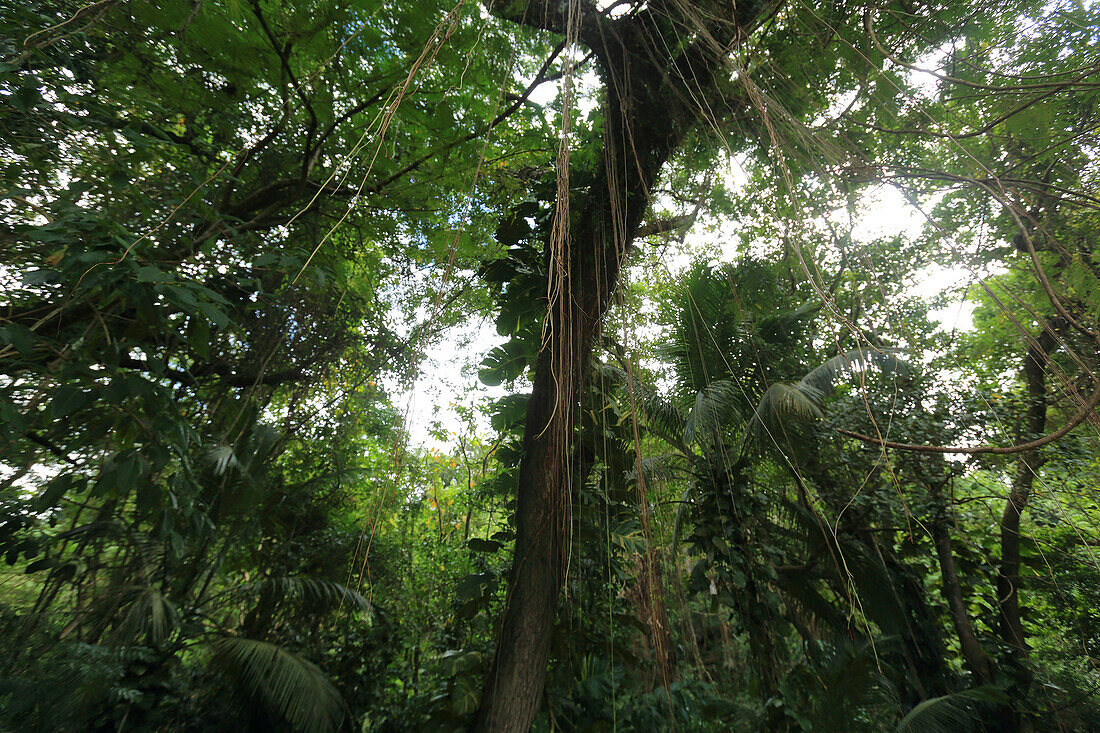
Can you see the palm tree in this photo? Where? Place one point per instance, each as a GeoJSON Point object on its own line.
{"type": "Point", "coordinates": [739, 416]}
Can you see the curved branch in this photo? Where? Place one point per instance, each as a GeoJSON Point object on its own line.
{"type": "Point", "coordinates": [870, 28]}
{"type": "Point", "coordinates": [1000, 450]}
{"type": "Point", "coordinates": [1031, 101]}
{"type": "Point", "coordinates": [1041, 274]}
{"type": "Point", "coordinates": [540, 78]}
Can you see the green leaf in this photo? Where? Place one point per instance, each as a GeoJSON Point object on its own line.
{"type": "Point", "coordinates": [129, 470]}
{"type": "Point", "coordinates": [147, 497]}
{"type": "Point", "coordinates": [153, 274]}
{"type": "Point", "coordinates": [505, 363]}
{"type": "Point", "coordinates": [54, 491]}
{"type": "Point", "coordinates": [199, 337]}
{"type": "Point", "coordinates": [214, 314]}
{"type": "Point", "coordinates": [458, 661]}
{"type": "Point", "coordinates": [509, 411]}
{"type": "Point", "coordinates": [465, 696]}
{"type": "Point", "coordinates": [472, 586]}
{"type": "Point", "coordinates": [43, 564]}
{"type": "Point", "coordinates": [478, 544]}
{"type": "Point", "coordinates": [120, 473]}
{"type": "Point", "coordinates": [25, 97]}
{"type": "Point", "coordinates": [17, 336]}
{"type": "Point", "coordinates": [181, 297]}
{"type": "Point", "coordinates": [40, 276]}
{"type": "Point", "coordinates": [69, 399]}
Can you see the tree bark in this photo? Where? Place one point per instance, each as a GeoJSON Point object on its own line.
{"type": "Point", "coordinates": [1028, 464]}
{"type": "Point", "coordinates": [977, 660]}
{"type": "Point", "coordinates": [653, 98]}
{"type": "Point", "coordinates": [514, 686]}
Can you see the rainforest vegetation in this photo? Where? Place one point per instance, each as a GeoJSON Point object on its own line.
{"type": "Point", "coordinates": [553, 365]}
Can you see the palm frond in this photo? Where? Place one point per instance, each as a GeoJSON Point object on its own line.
{"type": "Point", "coordinates": [604, 373]}
{"type": "Point", "coordinates": [150, 617]}
{"type": "Point", "coordinates": [662, 417]}
{"type": "Point", "coordinates": [715, 407]}
{"type": "Point", "coordinates": [312, 592]}
{"type": "Point", "coordinates": [824, 377]}
{"type": "Point", "coordinates": [290, 686]}
{"type": "Point", "coordinates": [705, 311]}
{"type": "Point", "coordinates": [804, 400]}
{"type": "Point", "coordinates": [222, 458]}
{"type": "Point", "coordinates": [662, 468]}
{"type": "Point", "coordinates": [958, 711]}
{"type": "Point", "coordinates": [679, 523]}
{"type": "Point", "coordinates": [247, 455]}
{"type": "Point", "coordinates": [786, 400]}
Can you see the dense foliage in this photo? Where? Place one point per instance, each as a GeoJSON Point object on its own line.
{"type": "Point", "coordinates": [678, 272]}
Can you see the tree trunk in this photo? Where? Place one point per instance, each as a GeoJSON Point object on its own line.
{"type": "Point", "coordinates": [1008, 579]}
{"type": "Point", "coordinates": [594, 255]}
{"type": "Point", "coordinates": [1011, 627]}
{"type": "Point", "coordinates": [976, 659]}
{"type": "Point", "coordinates": [652, 101]}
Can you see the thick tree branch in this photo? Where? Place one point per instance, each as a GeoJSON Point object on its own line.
{"type": "Point", "coordinates": [661, 226]}
{"type": "Point", "coordinates": [224, 372]}
{"type": "Point", "coordinates": [551, 15]}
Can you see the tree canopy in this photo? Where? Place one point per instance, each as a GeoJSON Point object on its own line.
{"type": "Point", "coordinates": [764, 335]}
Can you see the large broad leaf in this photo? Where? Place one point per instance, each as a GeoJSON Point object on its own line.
{"type": "Point", "coordinates": [292, 687]}
{"type": "Point", "coordinates": [477, 544]}
{"type": "Point", "coordinates": [56, 489]}
{"type": "Point", "coordinates": [70, 398]}
{"type": "Point", "coordinates": [506, 362]}
{"type": "Point", "coordinates": [515, 227]}
{"type": "Point", "coordinates": [509, 411]}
